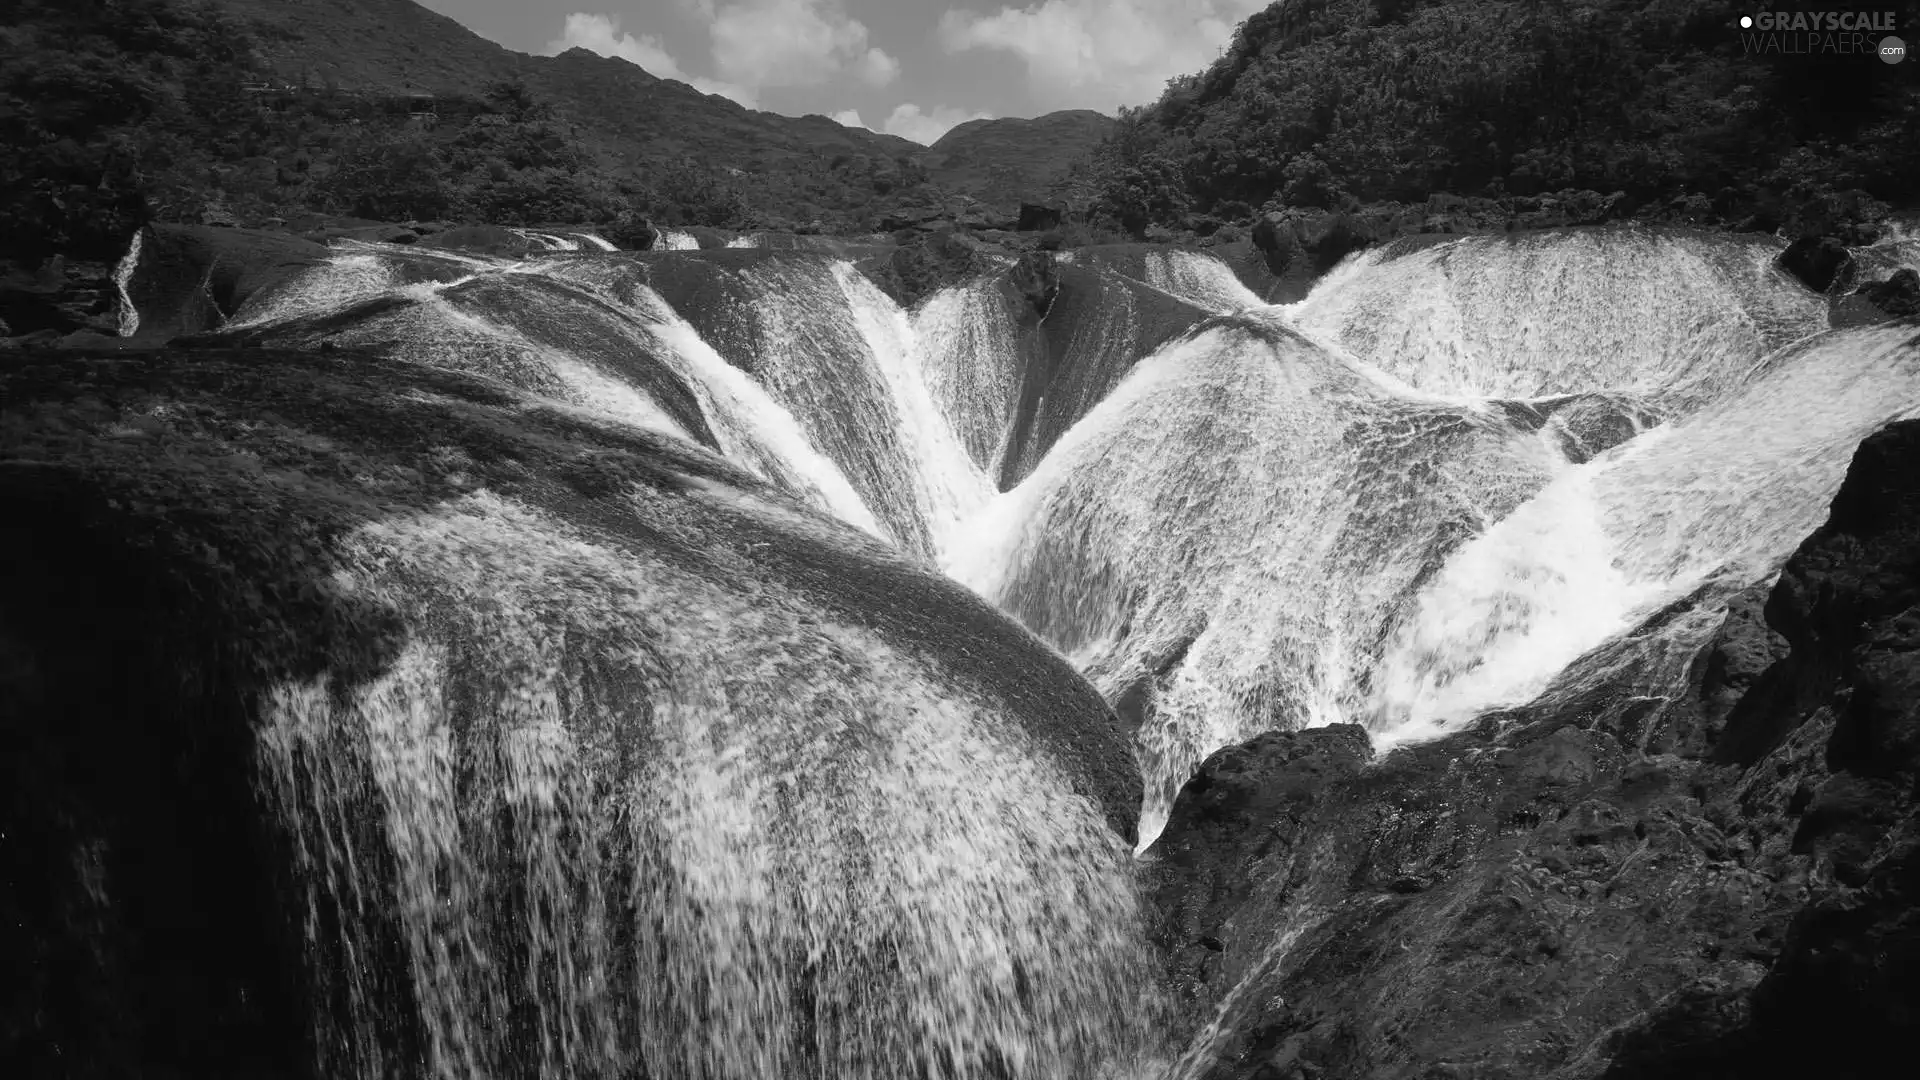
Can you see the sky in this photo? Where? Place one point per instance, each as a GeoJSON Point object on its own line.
{"type": "Point", "coordinates": [907, 67]}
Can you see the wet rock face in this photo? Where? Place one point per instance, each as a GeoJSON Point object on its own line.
{"type": "Point", "coordinates": [1538, 899]}
{"type": "Point", "coordinates": [191, 278]}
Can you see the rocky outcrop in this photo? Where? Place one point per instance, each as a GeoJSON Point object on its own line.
{"type": "Point", "coordinates": [1897, 296]}
{"type": "Point", "coordinates": [924, 263]}
{"type": "Point", "coordinates": [1037, 278]}
{"type": "Point", "coordinates": [1816, 261]}
{"type": "Point", "coordinates": [1560, 895]}
{"type": "Point", "coordinates": [57, 297]}
{"type": "Point", "coordinates": [484, 240]}
{"type": "Point", "coordinates": [191, 278]}
{"type": "Point", "coordinates": [1039, 217]}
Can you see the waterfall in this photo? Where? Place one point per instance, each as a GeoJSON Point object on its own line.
{"type": "Point", "coordinates": [1716, 501]}
{"type": "Point", "coordinates": [127, 316]}
{"type": "Point", "coordinates": [687, 760]}
{"type": "Point", "coordinates": [1200, 280]}
{"type": "Point", "coordinates": [970, 357]}
{"type": "Point", "coordinates": [1544, 314]}
{"type": "Point", "coordinates": [841, 357]}
{"type": "Point", "coordinates": [1220, 544]}
{"type": "Point", "coordinates": [611, 811]}
{"type": "Point", "coordinates": [548, 241]}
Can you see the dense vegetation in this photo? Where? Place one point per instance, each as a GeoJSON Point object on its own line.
{"type": "Point", "coordinates": [1334, 103]}
{"type": "Point", "coordinates": [113, 112]}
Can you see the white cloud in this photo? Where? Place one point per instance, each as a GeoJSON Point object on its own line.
{"type": "Point", "coordinates": [850, 118]}
{"type": "Point", "coordinates": [876, 68]}
{"type": "Point", "coordinates": [763, 43]}
{"type": "Point", "coordinates": [1102, 53]}
{"type": "Point", "coordinates": [601, 34]}
{"type": "Point", "coordinates": [909, 122]}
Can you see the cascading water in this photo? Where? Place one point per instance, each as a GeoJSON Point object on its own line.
{"type": "Point", "coordinates": [1221, 543]}
{"type": "Point", "coordinates": [1528, 316]}
{"type": "Point", "coordinates": [841, 357]}
{"type": "Point", "coordinates": [1707, 505]}
{"type": "Point", "coordinates": [676, 240]}
{"type": "Point", "coordinates": [1453, 478]}
{"type": "Point", "coordinates": [1201, 280]}
{"type": "Point", "coordinates": [609, 813]}
{"type": "Point", "coordinates": [127, 315]}
{"type": "Point", "coordinates": [969, 354]}
{"type": "Point", "coordinates": [1427, 514]}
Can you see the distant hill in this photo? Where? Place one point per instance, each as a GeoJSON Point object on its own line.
{"type": "Point", "coordinates": [798, 168]}
{"type": "Point", "coordinates": [1001, 161]}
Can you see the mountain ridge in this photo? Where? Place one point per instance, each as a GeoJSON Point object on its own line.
{"type": "Point", "coordinates": [634, 119]}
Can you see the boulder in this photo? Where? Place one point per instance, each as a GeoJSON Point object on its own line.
{"type": "Point", "coordinates": [483, 240]}
{"type": "Point", "coordinates": [1817, 261]}
{"type": "Point", "coordinates": [911, 217]}
{"type": "Point", "coordinates": [191, 278]}
{"type": "Point", "coordinates": [58, 295]}
{"type": "Point", "coordinates": [1039, 217]}
{"type": "Point", "coordinates": [1037, 277]}
{"type": "Point", "coordinates": [1898, 295]}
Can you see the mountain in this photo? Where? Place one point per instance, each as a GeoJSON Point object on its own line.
{"type": "Point", "coordinates": [1001, 160]}
{"type": "Point", "coordinates": [797, 167]}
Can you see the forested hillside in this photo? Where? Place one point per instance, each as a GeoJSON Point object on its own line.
{"type": "Point", "coordinates": [1330, 103]}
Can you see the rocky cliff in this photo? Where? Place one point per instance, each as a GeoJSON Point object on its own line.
{"type": "Point", "coordinates": [1721, 886]}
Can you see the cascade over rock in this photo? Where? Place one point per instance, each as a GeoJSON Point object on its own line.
{"type": "Point", "coordinates": [555, 645]}
{"type": "Point", "coordinates": [184, 279]}
{"type": "Point", "coordinates": [576, 750]}
{"type": "Point", "coordinates": [1607, 886]}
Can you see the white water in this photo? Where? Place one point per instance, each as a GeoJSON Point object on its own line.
{"type": "Point", "coordinates": [1201, 280]}
{"type": "Point", "coordinates": [841, 357]}
{"type": "Point", "coordinates": [548, 241]}
{"type": "Point", "coordinates": [1406, 513]}
{"type": "Point", "coordinates": [1252, 532]}
{"type": "Point", "coordinates": [687, 821]}
{"type": "Point", "coordinates": [1722, 497]}
{"type": "Point", "coordinates": [970, 359]}
{"type": "Point", "coordinates": [1674, 317]}
{"type": "Point", "coordinates": [676, 240]}
{"type": "Point", "coordinates": [1231, 530]}
{"type": "Point", "coordinates": [126, 315]}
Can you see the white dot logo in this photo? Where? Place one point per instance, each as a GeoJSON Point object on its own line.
{"type": "Point", "coordinates": [1746, 22]}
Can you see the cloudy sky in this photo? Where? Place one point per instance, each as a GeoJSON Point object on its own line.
{"type": "Point", "coordinates": [910, 67]}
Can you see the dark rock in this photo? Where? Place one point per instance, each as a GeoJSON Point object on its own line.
{"type": "Point", "coordinates": [911, 217]}
{"type": "Point", "coordinates": [1037, 278]}
{"type": "Point", "coordinates": [483, 240]}
{"type": "Point", "coordinates": [632, 233]}
{"type": "Point", "coordinates": [1277, 240]}
{"type": "Point", "coordinates": [1037, 217]}
{"type": "Point", "coordinates": [1817, 261]}
{"type": "Point", "coordinates": [1546, 899]}
{"type": "Point", "coordinates": [58, 295]}
{"type": "Point", "coordinates": [1898, 295]}
{"type": "Point", "coordinates": [191, 278]}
